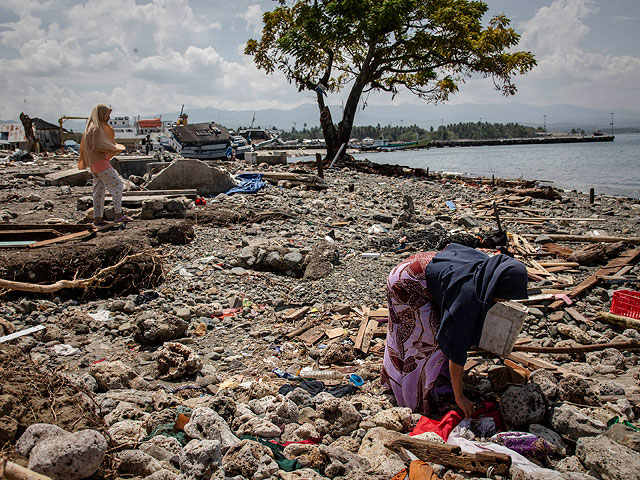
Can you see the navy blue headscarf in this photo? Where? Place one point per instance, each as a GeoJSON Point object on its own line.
{"type": "Point", "coordinates": [463, 283]}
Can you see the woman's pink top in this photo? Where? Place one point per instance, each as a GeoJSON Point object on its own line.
{"type": "Point", "coordinates": [101, 165]}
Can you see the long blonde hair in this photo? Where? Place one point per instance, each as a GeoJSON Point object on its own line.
{"type": "Point", "coordinates": [99, 115]}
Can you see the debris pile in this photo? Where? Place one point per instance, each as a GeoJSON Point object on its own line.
{"type": "Point", "coordinates": [245, 340]}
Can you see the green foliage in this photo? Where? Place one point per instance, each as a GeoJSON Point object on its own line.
{"type": "Point", "coordinates": [410, 133]}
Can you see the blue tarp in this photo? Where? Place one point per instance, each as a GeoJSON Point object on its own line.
{"type": "Point", "coordinates": [249, 183]}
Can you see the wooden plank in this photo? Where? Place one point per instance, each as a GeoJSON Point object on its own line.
{"type": "Point", "coordinates": [379, 313]}
{"type": "Point", "coordinates": [296, 315]}
{"type": "Point", "coordinates": [299, 331]}
{"type": "Point", "coordinates": [451, 456]}
{"type": "Point", "coordinates": [586, 238]}
{"type": "Point", "coordinates": [368, 336]}
{"type": "Point", "coordinates": [64, 238]}
{"type": "Point", "coordinates": [531, 362]}
{"type": "Point", "coordinates": [628, 257]}
{"type": "Point", "coordinates": [335, 332]}
{"type": "Point", "coordinates": [312, 336]}
{"type": "Point", "coordinates": [363, 327]}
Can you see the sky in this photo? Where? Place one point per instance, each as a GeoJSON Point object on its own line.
{"type": "Point", "coordinates": [61, 57]}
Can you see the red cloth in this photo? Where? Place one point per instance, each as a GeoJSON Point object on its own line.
{"type": "Point", "coordinates": [452, 418]}
{"type": "Point", "coordinates": [308, 441]}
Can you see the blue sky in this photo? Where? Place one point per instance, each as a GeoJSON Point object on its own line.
{"type": "Point", "coordinates": [144, 57]}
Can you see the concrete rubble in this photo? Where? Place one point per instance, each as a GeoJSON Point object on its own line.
{"type": "Point", "coordinates": [174, 367]}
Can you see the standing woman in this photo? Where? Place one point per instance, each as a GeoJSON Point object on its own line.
{"type": "Point", "coordinates": [97, 147]}
{"type": "Point", "coordinates": [437, 306]}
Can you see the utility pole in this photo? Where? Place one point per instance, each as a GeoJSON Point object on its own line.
{"type": "Point", "coordinates": [545, 122]}
{"type": "Point", "coordinates": [611, 124]}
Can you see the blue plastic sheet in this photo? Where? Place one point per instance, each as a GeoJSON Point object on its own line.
{"type": "Point", "coordinates": [249, 183]}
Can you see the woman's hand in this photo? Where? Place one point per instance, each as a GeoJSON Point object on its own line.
{"type": "Point", "coordinates": [465, 405]}
{"type": "Point", "coordinates": [456, 382]}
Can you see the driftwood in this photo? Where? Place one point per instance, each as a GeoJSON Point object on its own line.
{"type": "Point", "coordinates": [621, 320]}
{"type": "Point", "coordinates": [597, 253]}
{"type": "Point", "coordinates": [579, 348]}
{"type": "Point", "coordinates": [60, 284]}
{"type": "Point", "coordinates": [451, 455]}
{"type": "Point", "coordinates": [559, 237]}
{"type": "Point", "coordinates": [13, 471]}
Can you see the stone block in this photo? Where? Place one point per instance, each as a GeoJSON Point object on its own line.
{"type": "Point", "coordinates": [191, 173]}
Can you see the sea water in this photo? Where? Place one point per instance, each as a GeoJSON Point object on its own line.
{"type": "Point", "coordinates": [611, 168]}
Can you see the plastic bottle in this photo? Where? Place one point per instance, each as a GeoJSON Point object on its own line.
{"type": "Point", "coordinates": [321, 374]}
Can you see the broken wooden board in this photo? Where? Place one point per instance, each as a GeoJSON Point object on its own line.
{"type": "Point", "coordinates": [335, 332]}
{"type": "Point", "coordinates": [627, 258]}
{"type": "Point", "coordinates": [312, 336]}
{"type": "Point", "coordinates": [533, 363]}
{"type": "Point", "coordinates": [451, 455]}
{"type": "Point", "coordinates": [64, 238]}
{"type": "Point", "coordinates": [296, 314]}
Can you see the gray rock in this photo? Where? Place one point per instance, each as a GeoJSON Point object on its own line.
{"type": "Point", "coordinates": [625, 435]}
{"type": "Point", "coordinates": [337, 417]}
{"type": "Point", "coordinates": [155, 330]}
{"type": "Point", "coordinates": [548, 384]}
{"type": "Point", "coordinates": [184, 313]}
{"type": "Point", "coordinates": [117, 305]}
{"type": "Point", "coordinates": [206, 424]}
{"type": "Point", "coordinates": [343, 462]}
{"type": "Point", "coordinates": [397, 419]}
{"type": "Point", "coordinates": [577, 389]}
{"type": "Point", "coordinates": [138, 463]}
{"type": "Point", "coordinates": [127, 431]}
{"type": "Point", "coordinates": [62, 455]}
{"type": "Point", "coordinates": [175, 360]}
{"type": "Point", "coordinates": [550, 436]}
{"type": "Point", "coordinates": [115, 375]}
{"type": "Point", "coordinates": [337, 353]}
{"type": "Point", "coordinates": [249, 459]}
{"type": "Point", "coordinates": [523, 405]}
{"type": "Point", "coordinates": [609, 459]}
{"type": "Point", "coordinates": [570, 464]}
{"type": "Point", "coordinates": [569, 421]}
{"type": "Point", "coordinates": [467, 220]}
{"type": "Point", "coordinates": [382, 460]}
{"type": "Point", "coordinates": [609, 387]}
{"type": "Point", "coordinates": [162, 475]}
{"type": "Point", "coordinates": [200, 459]}
{"type": "Point", "coordinates": [610, 360]}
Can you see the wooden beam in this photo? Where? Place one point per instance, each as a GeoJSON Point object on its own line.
{"type": "Point", "coordinates": [64, 238]}
{"type": "Point", "coordinates": [586, 238]}
{"type": "Point", "coordinates": [451, 456]}
{"type": "Point", "coordinates": [628, 257]}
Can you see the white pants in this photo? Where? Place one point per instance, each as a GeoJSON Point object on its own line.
{"type": "Point", "coordinates": [108, 179]}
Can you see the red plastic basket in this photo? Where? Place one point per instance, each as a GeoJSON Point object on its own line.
{"type": "Point", "coordinates": [627, 303]}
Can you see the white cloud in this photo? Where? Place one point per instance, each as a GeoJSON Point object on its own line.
{"type": "Point", "coordinates": [566, 72]}
{"type": "Point", "coordinates": [253, 18]}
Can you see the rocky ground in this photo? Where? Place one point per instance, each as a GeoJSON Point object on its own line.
{"type": "Point", "coordinates": [171, 365]}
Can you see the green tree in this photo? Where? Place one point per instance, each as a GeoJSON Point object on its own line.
{"type": "Point", "coordinates": [425, 46]}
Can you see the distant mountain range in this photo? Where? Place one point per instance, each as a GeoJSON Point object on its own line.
{"type": "Point", "coordinates": [558, 117]}
{"type": "Point", "coordinates": [425, 116]}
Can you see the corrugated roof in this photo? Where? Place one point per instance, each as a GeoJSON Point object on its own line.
{"type": "Point", "coordinates": [43, 125]}
{"type": "Point", "coordinates": [201, 133]}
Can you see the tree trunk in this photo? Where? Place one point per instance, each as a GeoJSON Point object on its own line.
{"type": "Point", "coordinates": [330, 133]}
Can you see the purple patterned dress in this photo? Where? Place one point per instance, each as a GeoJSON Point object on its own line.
{"type": "Point", "coordinates": [413, 363]}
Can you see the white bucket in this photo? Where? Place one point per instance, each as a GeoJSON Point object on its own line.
{"type": "Point", "coordinates": [501, 327]}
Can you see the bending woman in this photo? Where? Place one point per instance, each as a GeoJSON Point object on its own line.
{"type": "Point", "coordinates": [97, 147]}
{"type": "Point", "coordinates": [437, 306]}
